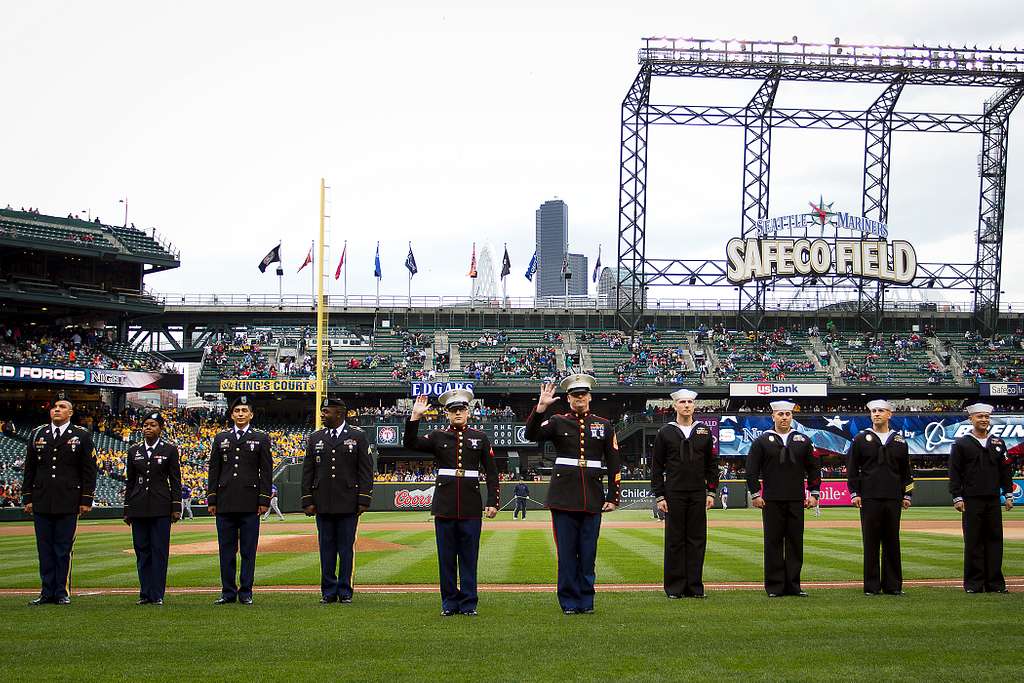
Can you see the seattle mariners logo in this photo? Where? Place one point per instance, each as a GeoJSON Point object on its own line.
{"type": "Point", "coordinates": [387, 435]}
{"type": "Point", "coordinates": [823, 212]}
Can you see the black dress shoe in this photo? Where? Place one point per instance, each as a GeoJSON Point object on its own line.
{"type": "Point", "coordinates": [448, 613]}
{"type": "Point", "coordinates": [143, 601]}
{"type": "Point", "coordinates": [775, 595]}
{"type": "Point", "coordinates": [62, 601]}
{"type": "Point", "coordinates": [245, 601]}
{"type": "Point", "coordinates": [470, 613]}
{"type": "Point", "coordinates": [158, 603]}
{"type": "Point", "coordinates": [1001, 590]}
{"type": "Point", "coordinates": [328, 599]}
{"type": "Point", "coordinates": [589, 610]}
{"type": "Point", "coordinates": [894, 592]}
{"type": "Point", "coordinates": [800, 594]}
{"type": "Point", "coordinates": [674, 596]}
{"type": "Point", "coordinates": [698, 596]}
{"type": "Point", "coordinates": [345, 601]}
{"type": "Point", "coordinates": [223, 601]}
{"type": "Point", "coordinates": [569, 612]}
{"type": "Point", "coordinates": [971, 591]}
{"type": "Point", "coordinates": [41, 601]}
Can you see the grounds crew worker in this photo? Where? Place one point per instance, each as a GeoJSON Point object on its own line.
{"type": "Point", "coordinates": [337, 483]}
{"type": "Point", "coordinates": [152, 502]}
{"type": "Point", "coordinates": [684, 477]}
{"type": "Point", "coordinates": [585, 444]}
{"type": "Point", "coordinates": [783, 458]}
{"type": "Point", "coordinates": [979, 469]}
{"type": "Point", "coordinates": [522, 494]}
{"type": "Point", "coordinates": [459, 454]}
{"type": "Point", "coordinates": [58, 486]}
{"type": "Point", "coordinates": [881, 485]}
{"type": "Point", "coordinates": [238, 492]}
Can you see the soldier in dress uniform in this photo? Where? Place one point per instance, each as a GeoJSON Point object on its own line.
{"type": "Point", "coordinates": [881, 486]}
{"type": "Point", "coordinates": [460, 453]}
{"type": "Point", "coordinates": [684, 477]}
{"type": "Point", "coordinates": [152, 502]}
{"type": "Point", "coordinates": [337, 484]}
{"type": "Point", "coordinates": [783, 459]}
{"type": "Point", "coordinates": [585, 445]}
{"type": "Point", "coordinates": [240, 476]}
{"type": "Point", "coordinates": [979, 470]}
{"type": "Point", "coordinates": [58, 486]}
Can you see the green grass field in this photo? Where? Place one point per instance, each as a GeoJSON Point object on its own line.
{"type": "Point", "coordinates": [931, 634]}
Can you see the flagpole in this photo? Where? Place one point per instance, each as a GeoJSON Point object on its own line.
{"type": "Point", "coordinates": [280, 278]}
{"type": "Point", "coordinates": [321, 315]}
{"type": "Point", "coordinates": [344, 252]}
{"type": "Point", "coordinates": [312, 280]}
{"type": "Point", "coordinates": [410, 278]}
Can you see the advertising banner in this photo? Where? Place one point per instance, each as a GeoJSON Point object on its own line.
{"type": "Point", "coordinates": [267, 385]}
{"type": "Point", "coordinates": [776, 389]}
{"type": "Point", "coordinates": [123, 379]}
{"type": "Point", "coordinates": [501, 434]}
{"type": "Point", "coordinates": [436, 388]}
{"type": "Point", "coordinates": [1001, 388]}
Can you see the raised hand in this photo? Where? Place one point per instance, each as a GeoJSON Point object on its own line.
{"type": "Point", "coordinates": [419, 407]}
{"type": "Point", "coordinates": [547, 397]}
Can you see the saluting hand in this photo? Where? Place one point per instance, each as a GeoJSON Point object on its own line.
{"type": "Point", "coordinates": [547, 397]}
{"type": "Point", "coordinates": [419, 407]}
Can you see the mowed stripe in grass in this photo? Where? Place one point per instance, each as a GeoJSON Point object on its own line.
{"type": "Point", "coordinates": [833, 635]}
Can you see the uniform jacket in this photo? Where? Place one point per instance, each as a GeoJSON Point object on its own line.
{"type": "Point", "coordinates": [589, 441]}
{"type": "Point", "coordinates": [455, 496]}
{"type": "Point", "coordinates": [877, 471]}
{"type": "Point", "coordinates": [783, 469]}
{"type": "Point", "coordinates": [241, 471]}
{"type": "Point", "coordinates": [59, 475]}
{"type": "Point", "coordinates": [521, 490]}
{"type": "Point", "coordinates": [153, 483]}
{"type": "Point", "coordinates": [337, 474]}
{"type": "Point", "coordinates": [682, 465]}
{"type": "Point", "coordinates": [976, 470]}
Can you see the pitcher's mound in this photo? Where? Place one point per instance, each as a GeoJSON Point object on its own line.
{"type": "Point", "coordinates": [283, 543]}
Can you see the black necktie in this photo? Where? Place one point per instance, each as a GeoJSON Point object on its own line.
{"type": "Point", "coordinates": [785, 453]}
{"type": "Point", "coordinates": [56, 433]}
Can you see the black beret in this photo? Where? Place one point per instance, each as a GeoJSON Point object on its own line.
{"type": "Point", "coordinates": [155, 416]}
{"type": "Point", "coordinates": [242, 400]}
{"type": "Point", "coordinates": [332, 403]}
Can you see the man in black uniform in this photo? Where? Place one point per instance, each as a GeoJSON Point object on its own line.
{"type": "Point", "coordinates": [459, 454]}
{"type": "Point", "coordinates": [979, 469]}
{"type": "Point", "coordinates": [684, 477]}
{"type": "Point", "coordinates": [881, 486]}
{"type": "Point", "coordinates": [585, 444]}
{"type": "Point", "coordinates": [58, 486]}
{"type": "Point", "coordinates": [152, 502]}
{"type": "Point", "coordinates": [240, 476]}
{"type": "Point", "coordinates": [337, 483]}
{"type": "Point", "coordinates": [522, 494]}
{"type": "Point", "coordinates": [783, 458]}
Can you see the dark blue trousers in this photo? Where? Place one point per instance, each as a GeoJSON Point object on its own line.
{"type": "Point", "coordinates": [55, 541]}
{"type": "Point", "coordinates": [151, 537]}
{"type": "Point", "coordinates": [237, 533]}
{"type": "Point", "coordinates": [576, 544]}
{"type": "Point", "coordinates": [337, 537]}
{"type": "Point", "coordinates": [458, 547]}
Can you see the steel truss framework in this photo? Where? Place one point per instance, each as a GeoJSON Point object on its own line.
{"type": "Point", "coordinates": [773, 62]}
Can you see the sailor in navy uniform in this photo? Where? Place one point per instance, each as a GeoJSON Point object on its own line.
{"type": "Point", "coordinates": [460, 453]}
{"type": "Point", "coordinates": [240, 476]}
{"type": "Point", "coordinates": [58, 486]}
{"type": "Point", "coordinates": [783, 458]}
{"type": "Point", "coordinates": [979, 471]}
{"type": "Point", "coordinates": [152, 502]}
{"type": "Point", "coordinates": [684, 477]}
{"type": "Point", "coordinates": [881, 485]}
{"type": "Point", "coordinates": [337, 485]}
{"type": "Point", "coordinates": [586, 446]}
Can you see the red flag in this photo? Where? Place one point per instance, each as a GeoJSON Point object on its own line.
{"type": "Point", "coordinates": [337, 272]}
{"type": "Point", "coordinates": [472, 263]}
{"type": "Point", "coordinates": [309, 259]}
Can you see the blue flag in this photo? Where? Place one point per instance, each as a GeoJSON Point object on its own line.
{"type": "Point", "coordinates": [376, 263]}
{"type": "Point", "coordinates": [597, 266]}
{"type": "Point", "coordinates": [532, 268]}
{"type": "Point", "coordinates": [410, 262]}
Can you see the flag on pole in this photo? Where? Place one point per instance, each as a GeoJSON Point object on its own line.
{"type": "Point", "coordinates": [337, 271]}
{"type": "Point", "coordinates": [309, 259]}
{"type": "Point", "coordinates": [597, 266]}
{"type": "Point", "coordinates": [532, 268]}
{"type": "Point", "coordinates": [506, 265]}
{"type": "Point", "coordinates": [410, 262]}
{"type": "Point", "coordinates": [566, 273]}
{"type": "Point", "coordinates": [376, 263]}
{"type": "Point", "coordinates": [273, 257]}
{"type": "Point", "coordinates": [472, 263]}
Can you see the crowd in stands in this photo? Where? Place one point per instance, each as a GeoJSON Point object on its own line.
{"type": "Point", "coordinates": [249, 361]}
{"type": "Point", "coordinates": [756, 347]}
{"type": "Point", "coordinates": [648, 364]}
{"type": "Point", "coordinates": [997, 359]}
{"type": "Point", "coordinates": [68, 347]}
{"type": "Point", "coordinates": [486, 339]}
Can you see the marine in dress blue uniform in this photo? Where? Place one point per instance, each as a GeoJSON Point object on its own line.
{"type": "Point", "coordinates": [461, 455]}
{"type": "Point", "coordinates": [881, 485]}
{"type": "Point", "coordinates": [58, 485]}
{"type": "Point", "coordinates": [586, 446]}
{"type": "Point", "coordinates": [240, 477]}
{"type": "Point", "coordinates": [152, 502]}
{"type": "Point", "coordinates": [979, 471]}
{"type": "Point", "coordinates": [337, 485]}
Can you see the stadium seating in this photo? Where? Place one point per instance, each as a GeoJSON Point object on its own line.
{"type": "Point", "coordinates": [507, 356]}
{"type": "Point", "coordinates": [892, 360]}
{"type": "Point", "coordinates": [772, 356]}
{"type": "Point", "coordinates": [648, 360]}
{"type": "Point", "coordinates": [994, 359]}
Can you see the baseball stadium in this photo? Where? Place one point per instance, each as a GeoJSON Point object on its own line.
{"type": "Point", "coordinates": [814, 311]}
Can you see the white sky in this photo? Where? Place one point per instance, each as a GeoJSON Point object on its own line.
{"type": "Point", "coordinates": [448, 123]}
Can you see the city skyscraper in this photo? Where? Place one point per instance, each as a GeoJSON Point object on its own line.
{"type": "Point", "coordinates": [578, 281]}
{"type": "Point", "coordinates": [552, 246]}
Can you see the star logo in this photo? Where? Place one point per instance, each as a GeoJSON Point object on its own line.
{"type": "Point", "coordinates": [836, 422]}
{"type": "Point", "coordinates": [822, 211]}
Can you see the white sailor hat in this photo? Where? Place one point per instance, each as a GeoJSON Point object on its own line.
{"type": "Point", "coordinates": [679, 394]}
{"type": "Point", "coordinates": [782, 405]}
{"type": "Point", "coordinates": [574, 383]}
{"type": "Point", "coordinates": [455, 398]}
{"type": "Point", "coordinates": [879, 403]}
{"type": "Point", "coordinates": [975, 408]}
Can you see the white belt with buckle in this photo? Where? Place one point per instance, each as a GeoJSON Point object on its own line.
{"type": "Point", "coordinates": [445, 472]}
{"type": "Point", "coordinates": [572, 462]}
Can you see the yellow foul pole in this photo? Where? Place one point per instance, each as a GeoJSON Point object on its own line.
{"type": "Point", "coordinates": [321, 317]}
